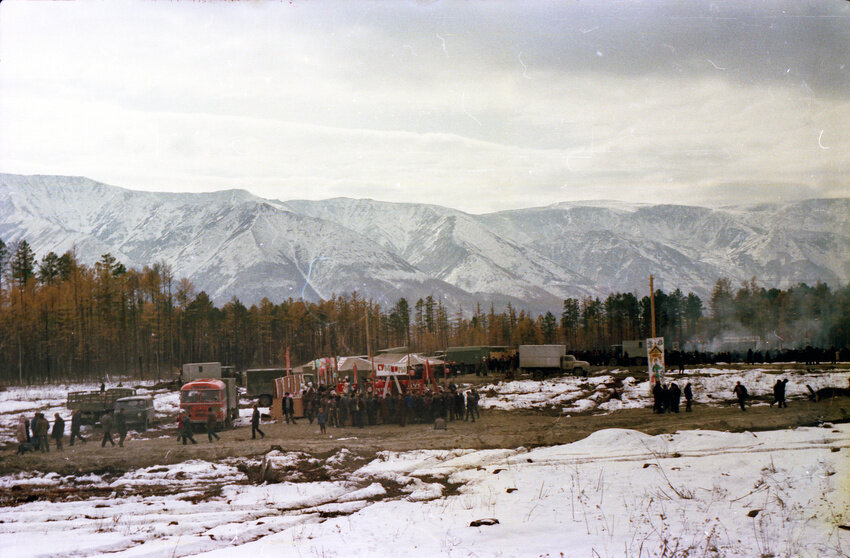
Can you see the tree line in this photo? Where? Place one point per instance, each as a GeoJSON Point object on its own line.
{"type": "Point", "coordinates": [61, 319]}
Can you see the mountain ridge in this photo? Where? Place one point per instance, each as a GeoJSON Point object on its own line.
{"type": "Point", "coordinates": [233, 243]}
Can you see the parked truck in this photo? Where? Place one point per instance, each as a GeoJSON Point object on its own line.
{"type": "Point", "coordinates": [467, 360]}
{"type": "Point", "coordinates": [259, 384]}
{"type": "Point", "coordinates": [93, 404]}
{"type": "Point", "coordinates": [199, 396]}
{"type": "Point", "coordinates": [139, 411]}
{"type": "Point", "coordinates": [542, 360]}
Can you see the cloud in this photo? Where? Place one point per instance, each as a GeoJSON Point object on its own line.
{"type": "Point", "coordinates": [475, 106]}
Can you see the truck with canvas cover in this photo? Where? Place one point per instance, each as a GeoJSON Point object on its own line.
{"type": "Point", "coordinates": [259, 384]}
{"type": "Point", "coordinates": [467, 359]}
{"type": "Point", "coordinates": [542, 360]}
{"type": "Point", "coordinates": [93, 404]}
{"type": "Point", "coordinates": [198, 396]}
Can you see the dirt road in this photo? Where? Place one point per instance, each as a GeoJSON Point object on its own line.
{"type": "Point", "coordinates": [496, 429]}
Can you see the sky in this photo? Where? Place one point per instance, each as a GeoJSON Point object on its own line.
{"type": "Point", "coordinates": [479, 106]}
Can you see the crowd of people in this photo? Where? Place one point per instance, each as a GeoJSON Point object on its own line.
{"type": "Point", "coordinates": [330, 408]}
{"type": "Point", "coordinates": [351, 407]}
{"type": "Point", "coordinates": [668, 397]}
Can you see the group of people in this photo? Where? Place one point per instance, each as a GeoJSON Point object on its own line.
{"type": "Point", "coordinates": [328, 407]}
{"type": "Point", "coordinates": [34, 434]}
{"type": "Point", "coordinates": [185, 429]}
{"type": "Point", "coordinates": [742, 394]}
{"type": "Point", "coordinates": [667, 397]}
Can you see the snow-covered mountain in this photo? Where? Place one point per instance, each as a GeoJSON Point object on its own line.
{"type": "Point", "coordinates": [233, 243]}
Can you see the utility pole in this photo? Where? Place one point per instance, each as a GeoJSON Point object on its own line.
{"type": "Point", "coordinates": [652, 304]}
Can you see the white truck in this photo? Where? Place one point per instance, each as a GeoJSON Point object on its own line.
{"type": "Point", "coordinates": [542, 360]}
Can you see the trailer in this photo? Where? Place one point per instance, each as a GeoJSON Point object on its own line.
{"type": "Point", "coordinates": [199, 396]}
{"type": "Point", "coordinates": [92, 404]}
{"type": "Point", "coordinates": [294, 384]}
{"type": "Point", "coordinates": [197, 370]}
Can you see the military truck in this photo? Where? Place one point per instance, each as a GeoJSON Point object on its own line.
{"type": "Point", "coordinates": [259, 384]}
{"type": "Point", "coordinates": [93, 404]}
{"type": "Point", "coordinates": [468, 360]}
{"type": "Point", "coordinates": [138, 411]}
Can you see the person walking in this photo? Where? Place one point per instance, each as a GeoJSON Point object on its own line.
{"type": "Point", "coordinates": [741, 393]}
{"type": "Point", "coordinates": [58, 430]}
{"type": "Point", "coordinates": [779, 393]}
{"type": "Point", "coordinates": [121, 426]}
{"type": "Point", "coordinates": [288, 408]}
{"type": "Point", "coordinates": [322, 419]}
{"type": "Point", "coordinates": [106, 424]}
{"type": "Point", "coordinates": [76, 423]}
{"type": "Point", "coordinates": [186, 430]}
{"type": "Point", "coordinates": [212, 420]}
{"type": "Point", "coordinates": [255, 423]}
{"type": "Point", "coordinates": [689, 397]}
{"type": "Point", "coordinates": [181, 415]}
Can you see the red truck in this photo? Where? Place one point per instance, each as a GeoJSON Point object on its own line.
{"type": "Point", "coordinates": [197, 396]}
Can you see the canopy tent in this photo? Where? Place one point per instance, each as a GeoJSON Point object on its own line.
{"type": "Point", "coordinates": [411, 359]}
{"type": "Point", "coordinates": [347, 364]}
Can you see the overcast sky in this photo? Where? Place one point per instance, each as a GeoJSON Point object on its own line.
{"type": "Point", "coordinates": [479, 106]}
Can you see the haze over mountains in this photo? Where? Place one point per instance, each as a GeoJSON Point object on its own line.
{"type": "Point", "coordinates": [232, 243]}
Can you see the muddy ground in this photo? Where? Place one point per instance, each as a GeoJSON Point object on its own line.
{"type": "Point", "coordinates": [496, 429]}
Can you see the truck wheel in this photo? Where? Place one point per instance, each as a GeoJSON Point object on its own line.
{"type": "Point", "coordinates": [144, 424]}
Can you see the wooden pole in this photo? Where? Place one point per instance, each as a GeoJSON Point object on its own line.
{"type": "Point", "coordinates": [368, 350]}
{"type": "Point", "coordinates": [652, 304]}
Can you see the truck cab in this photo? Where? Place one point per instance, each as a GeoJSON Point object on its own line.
{"type": "Point", "coordinates": [569, 363]}
{"type": "Point", "coordinates": [138, 410]}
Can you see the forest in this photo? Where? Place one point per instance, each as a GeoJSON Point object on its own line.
{"type": "Point", "coordinates": [61, 319]}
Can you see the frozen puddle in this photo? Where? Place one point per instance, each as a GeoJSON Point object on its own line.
{"type": "Point", "coordinates": [615, 493]}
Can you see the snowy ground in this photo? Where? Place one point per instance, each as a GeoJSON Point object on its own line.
{"type": "Point", "coordinates": [711, 386]}
{"type": "Point", "coordinates": [615, 493]}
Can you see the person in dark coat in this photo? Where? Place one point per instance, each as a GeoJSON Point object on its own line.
{"type": "Point", "coordinates": [255, 424]}
{"type": "Point", "coordinates": [288, 405]}
{"type": "Point", "coordinates": [779, 393]}
{"type": "Point", "coordinates": [344, 408]}
{"type": "Point", "coordinates": [76, 423]}
{"type": "Point", "coordinates": [322, 419]}
{"type": "Point", "coordinates": [459, 405]}
{"type": "Point", "coordinates": [212, 421]}
{"type": "Point", "coordinates": [186, 431]}
{"type": "Point", "coordinates": [675, 396]}
{"type": "Point", "coordinates": [121, 426]}
{"type": "Point", "coordinates": [106, 423]}
{"type": "Point", "coordinates": [32, 428]}
{"type": "Point", "coordinates": [689, 397]}
{"type": "Point", "coordinates": [656, 398]}
{"type": "Point", "coordinates": [470, 413]}
{"type": "Point", "coordinates": [58, 430]}
{"type": "Point", "coordinates": [741, 393]}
